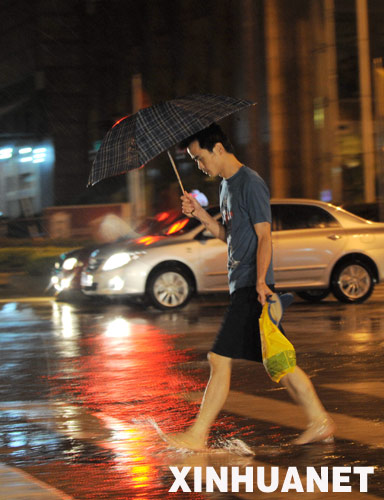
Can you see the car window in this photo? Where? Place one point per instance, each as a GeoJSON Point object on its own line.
{"type": "Point", "coordinates": [301, 217]}
{"type": "Point", "coordinates": [275, 209]}
{"type": "Point", "coordinates": [364, 211]}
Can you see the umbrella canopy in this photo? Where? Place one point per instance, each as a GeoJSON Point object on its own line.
{"type": "Point", "coordinates": [137, 139]}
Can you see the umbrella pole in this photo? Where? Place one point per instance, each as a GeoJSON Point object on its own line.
{"type": "Point", "coordinates": [176, 172]}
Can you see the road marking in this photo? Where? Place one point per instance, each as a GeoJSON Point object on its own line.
{"type": "Point", "coordinates": [290, 415]}
{"type": "Point", "coordinates": [375, 388]}
{"type": "Point", "coordinates": [260, 408]}
{"type": "Point", "coordinates": [277, 412]}
{"type": "Point", "coordinates": [17, 484]}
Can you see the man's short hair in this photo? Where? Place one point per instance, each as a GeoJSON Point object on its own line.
{"type": "Point", "coordinates": [208, 137]}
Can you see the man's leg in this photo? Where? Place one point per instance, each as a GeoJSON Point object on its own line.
{"type": "Point", "coordinates": [301, 389]}
{"type": "Point", "coordinates": [216, 393]}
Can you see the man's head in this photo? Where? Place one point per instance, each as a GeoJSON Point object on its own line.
{"type": "Point", "coordinates": [208, 137]}
{"type": "Point", "coordinates": [209, 149]}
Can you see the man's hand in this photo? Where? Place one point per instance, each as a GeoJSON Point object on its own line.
{"type": "Point", "coordinates": [263, 259]}
{"type": "Point", "coordinates": [192, 208]}
{"type": "Point", "coordinates": [263, 291]}
{"type": "Point", "coordinates": [190, 205]}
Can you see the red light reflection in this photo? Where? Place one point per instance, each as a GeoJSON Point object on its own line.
{"type": "Point", "coordinates": [177, 226]}
{"type": "Point", "coordinates": [130, 363]}
{"type": "Point", "coordinates": [127, 374]}
{"type": "Point", "coordinates": [148, 240]}
{"type": "Point", "coordinates": [162, 216]}
{"type": "Point", "coordinates": [119, 121]}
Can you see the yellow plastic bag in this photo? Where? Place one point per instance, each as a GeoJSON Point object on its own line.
{"type": "Point", "coordinates": [279, 356]}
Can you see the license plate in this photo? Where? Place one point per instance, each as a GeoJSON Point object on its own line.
{"type": "Point", "coordinates": [86, 279]}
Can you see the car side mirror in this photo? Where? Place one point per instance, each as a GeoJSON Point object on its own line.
{"type": "Point", "coordinates": [205, 235]}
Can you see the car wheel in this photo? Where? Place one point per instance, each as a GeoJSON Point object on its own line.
{"type": "Point", "coordinates": [313, 295]}
{"type": "Point", "coordinates": [352, 282]}
{"type": "Point", "coordinates": [169, 288]}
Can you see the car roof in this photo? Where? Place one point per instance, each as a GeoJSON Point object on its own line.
{"type": "Point", "coordinates": [301, 201]}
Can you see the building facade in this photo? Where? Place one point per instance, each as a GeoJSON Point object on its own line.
{"type": "Point", "coordinates": [66, 70]}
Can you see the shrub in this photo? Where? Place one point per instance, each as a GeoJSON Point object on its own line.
{"type": "Point", "coordinates": [32, 260]}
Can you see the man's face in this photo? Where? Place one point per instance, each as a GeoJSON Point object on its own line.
{"type": "Point", "coordinates": [207, 161]}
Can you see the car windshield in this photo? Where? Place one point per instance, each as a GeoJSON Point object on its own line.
{"type": "Point", "coordinates": [155, 224]}
{"type": "Point", "coordinates": [184, 224]}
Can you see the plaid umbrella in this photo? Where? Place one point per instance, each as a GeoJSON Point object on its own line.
{"type": "Point", "coordinates": [137, 139]}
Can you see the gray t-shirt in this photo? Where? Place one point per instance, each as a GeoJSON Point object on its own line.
{"type": "Point", "coordinates": [244, 201]}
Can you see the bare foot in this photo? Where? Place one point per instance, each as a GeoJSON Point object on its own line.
{"type": "Point", "coordinates": [320, 430]}
{"type": "Point", "coordinates": [184, 441]}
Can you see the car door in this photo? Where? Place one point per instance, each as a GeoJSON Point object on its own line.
{"type": "Point", "coordinates": [307, 241]}
{"type": "Point", "coordinates": [212, 268]}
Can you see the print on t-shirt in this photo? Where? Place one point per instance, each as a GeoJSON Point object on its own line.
{"type": "Point", "coordinates": [227, 218]}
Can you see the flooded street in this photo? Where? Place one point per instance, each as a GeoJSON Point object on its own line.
{"type": "Point", "coordinates": [83, 386]}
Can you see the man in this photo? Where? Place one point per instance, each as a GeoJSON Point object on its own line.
{"type": "Point", "coordinates": [246, 228]}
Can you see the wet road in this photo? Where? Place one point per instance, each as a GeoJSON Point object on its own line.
{"type": "Point", "coordinates": [82, 384]}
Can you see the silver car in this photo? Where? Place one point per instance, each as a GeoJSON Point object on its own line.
{"type": "Point", "coordinates": [317, 248]}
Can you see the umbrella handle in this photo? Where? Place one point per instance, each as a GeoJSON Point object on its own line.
{"type": "Point", "coordinates": [176, 172]}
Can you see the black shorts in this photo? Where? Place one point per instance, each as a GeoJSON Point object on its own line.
{"type": "Point", "coordinates": [239, 335]}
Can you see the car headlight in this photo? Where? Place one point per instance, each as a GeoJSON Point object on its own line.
{"type": "Point", "coordinates": [116, 260]}
{"type": "Point", "coordinates": [70, 263]}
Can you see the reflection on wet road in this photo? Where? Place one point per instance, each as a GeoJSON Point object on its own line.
{"type": "Point", "coordinates": [81, 385]}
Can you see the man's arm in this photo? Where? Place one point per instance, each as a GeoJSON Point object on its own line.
{"type": "Point", "coordinates": [192, 208]}
{"type": "Point", "coordinates": [263, 259]}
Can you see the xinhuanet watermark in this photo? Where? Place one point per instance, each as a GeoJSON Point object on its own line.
{"type": "Point", "coordinates": [271, 479]}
